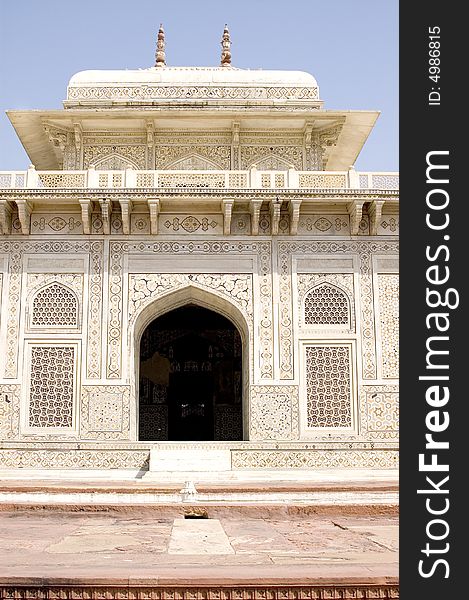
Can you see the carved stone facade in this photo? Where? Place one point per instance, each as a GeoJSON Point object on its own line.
{"type": "Point", "coordinates": [236, 216]}
{"type": "Point", "coordinates": [317, 370]}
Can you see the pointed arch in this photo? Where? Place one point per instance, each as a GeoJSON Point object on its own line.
{"type": "Point", "coordinates": [271, 162]}
{"type": "Point", "coordinates": [326, 304]}
{"type": "Point", "coordinates": [114, 162]}
{"type": "Point", "coordinates": [190, 295]}
{"type": "Point", "coordinates": [194, 162]}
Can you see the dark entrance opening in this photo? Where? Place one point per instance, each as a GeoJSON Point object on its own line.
{"type": "Point", "coordinates": [190, 377]}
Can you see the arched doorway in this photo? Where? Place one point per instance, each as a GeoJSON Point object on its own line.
{"type": "Point", "coordinates": [190, 385]}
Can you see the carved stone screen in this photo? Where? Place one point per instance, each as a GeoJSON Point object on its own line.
{"type": "Point", "coordinates": [54, 305]}
{"type": "Point", "coordinates": [328, 386]}
{"type": "Point", "coordinates": [326, 305]}
{"type": "Point", "coordinates": [388, 284]}
{"type": "Point", "coordinates": [51, 386]}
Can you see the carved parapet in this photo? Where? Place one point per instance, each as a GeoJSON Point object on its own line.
{"type": "Point", "coordinates": [254, 178]}
{"type": "Point", "coordinates": [275, 206]}
{"type": "Point", "coordinates": [294, 210]}
{"type": "Point", "coordinates": [355, 210]}
{"type": "Point", "coordinates": [255, 210]}
{"type": "Point", "coordinates": [106, 207]}
{"type": "Point", "coordinates": [126, 209]}
{"type": "Point", "coordinates": [130, 178]}
{"type": "Point", "coordinates": [353, 179]}
{"type": "Point", "coordinates": [25, 209]}
{"type": "Point", "coordinates": [227, 205]}
{"type": "Point", "coordinates": [32, 178]}
{"type": "Point", "coordinates": [374, 210]}
{"type": "Point", "coordinates": [154, 207]}
{"type": "Point", "coordinates": [86, 209]}
{"type": "Point", "coordinates": [293, 179]}
{"type": "Point", "coordinates": [93, 180]}
{"type": "Point", "coordinates": [5, 216]}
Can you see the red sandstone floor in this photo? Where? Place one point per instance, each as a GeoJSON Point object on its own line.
{"type": "Point", "coordinates": [237, 547]}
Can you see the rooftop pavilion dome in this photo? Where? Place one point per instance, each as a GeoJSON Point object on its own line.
{"type": "Point", "coordinates": [195, 76]}
{"type": "Point", "coordinates": [162, 83]}
{"type": "Point", "coordinates": [139, 108]}
{"type": "Point", "coordinates": [213, 84]}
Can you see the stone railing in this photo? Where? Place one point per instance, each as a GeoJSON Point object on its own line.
{"type": "Point", "coordinates": [220, 180]}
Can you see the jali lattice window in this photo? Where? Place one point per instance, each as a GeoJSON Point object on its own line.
{"type": "Point", "coordinates": [326, 304]}
{"type": "Point", "coordinates": [328, 386]}
{"type": "Point", "coordinates": [55, 306]}
{"type": "Point", "coordinates": [52, 385]}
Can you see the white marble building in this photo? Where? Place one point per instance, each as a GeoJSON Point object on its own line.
{"type": "Point", "coordinates": [194, 264]}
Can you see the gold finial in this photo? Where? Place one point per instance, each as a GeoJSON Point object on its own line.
{"type": "Point", "coordinates": [225, 48]}
{"type": "Point", "coordinates": [160, 55]}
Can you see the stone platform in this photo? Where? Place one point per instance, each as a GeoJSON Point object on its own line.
{"type": "Point", "coordinates": [118, 551]}
{"type": "Point", "coordinates": [326, 537]}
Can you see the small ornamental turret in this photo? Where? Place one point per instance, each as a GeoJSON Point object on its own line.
{"type": "Point", "coordinates": [225, 48]}
{"type": "Point", "coordinates": [160, 55]}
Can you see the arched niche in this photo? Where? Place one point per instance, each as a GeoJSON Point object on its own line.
{"type": "Point", "coordinates": [54, 305]}
{"type": "Point", "coordinates": [185, 297]}
{"type": "Point", "coordinates": [271, 162]}
{"type": "Point", "coordinates": [194, 162]}
{"type": "Point", "coordinates": [114, 162]}
{"type": "Point", "coordinates": [325, 305]}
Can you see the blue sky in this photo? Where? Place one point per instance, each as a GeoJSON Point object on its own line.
{"type": "Point", "coordinates": [351, 47]}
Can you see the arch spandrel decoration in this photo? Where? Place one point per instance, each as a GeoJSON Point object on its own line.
{"type": "Point", "coordinates": [194, 162]}
{"type": "Point", "coordinates": [272, 162]}
{"type": "Point", "coordinates": [218, 288]}
{"type": "Point", "coordinates": [261, 250]}
{"type": "Point", "coordinates": [114, 162]}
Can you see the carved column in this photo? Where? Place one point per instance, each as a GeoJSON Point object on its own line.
{"type": "Point", "coordinates": [255, 210]}
{"type": "Point", "coordinates": [154, 207]}
{"type": "Point", "coordinates": [355, 210]}
{"type": "Point", "coordinates": [106, 207]}
{"type": "Point", "coordinates": [25, 209]}
{"type": "Point", "coordinates": [126, 209]}
{"type": "Point", "coordinates": [374, 210]}
{"type": "Point", "coordinates": [227, 212]}
{"type": "Point", "coordinates": [78, 143]}
{"type": "Point", "coordinates": [5, 216]}
{"type": "Point", "coordinates": [150, 131]}
{"type": "Point", "coordinates": [294, 210]}
{"type": "Point", "coordinates": [275, 206]}
{"type": "Point", "coordinates": [307, 140]}
{"type": "Point", "coordinates": [86, 209]}
{"type": "Point", "coordinates": [235, 149]}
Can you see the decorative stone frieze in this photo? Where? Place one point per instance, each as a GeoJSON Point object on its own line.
{"type": "Point", "coordinates": [221, 189]}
